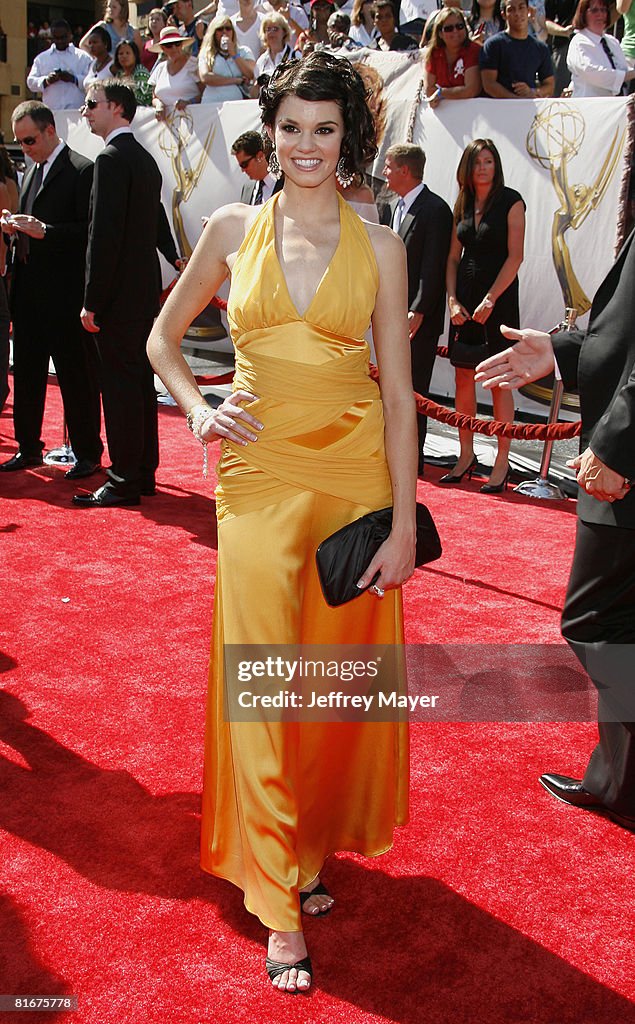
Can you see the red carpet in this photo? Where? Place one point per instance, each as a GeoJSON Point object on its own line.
{"type": "Point", "coordinates": [497, 904]}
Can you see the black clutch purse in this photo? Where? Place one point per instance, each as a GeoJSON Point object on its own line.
{"type": "Point", "coordinates": [467, 344]}
{"type": "Point", "coordinates": [343, 557]}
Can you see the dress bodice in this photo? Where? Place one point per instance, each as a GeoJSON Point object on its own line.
{"type": "Point", "coordinates": [341, 306]}
{"type": "Point", "coordinates": [322, 412]}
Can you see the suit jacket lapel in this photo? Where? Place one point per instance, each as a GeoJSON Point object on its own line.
{"type": "Point", "coordinates": [26, 185]}
{"type": "Point", "coordinates": [55, 169]}
{"type": "Point", "coordinates": [408, 220]}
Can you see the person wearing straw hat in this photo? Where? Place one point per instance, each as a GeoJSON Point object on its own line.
{"type": "Point", "coordinates": [175, 80]}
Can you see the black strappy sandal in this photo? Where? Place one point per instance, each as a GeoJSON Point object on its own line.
{"type": "Point", "coordinates": [320, 890]}
{"type": "Point", "coordinates": [275, 968]}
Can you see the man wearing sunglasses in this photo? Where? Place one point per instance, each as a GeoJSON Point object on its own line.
{"type": "Point", "coordinates": [250, 157]}
{"type": "Point", "coordinates": [49, 253]}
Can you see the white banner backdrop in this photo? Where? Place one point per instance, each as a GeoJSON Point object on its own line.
{"type": "Point", "coordinates": [566, 159]}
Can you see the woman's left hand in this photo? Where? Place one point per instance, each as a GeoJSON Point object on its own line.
{"type": "Point", "coordinates": [483, 311]}
{"type": "Point", "coordinates": [181, 104]}
{"type": "Point", "coordinates": [395, 563]}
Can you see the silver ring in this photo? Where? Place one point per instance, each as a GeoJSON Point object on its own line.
{"type": "Point", "coordinates": [377, 590]}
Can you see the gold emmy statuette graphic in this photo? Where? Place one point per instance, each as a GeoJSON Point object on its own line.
{"type": "Point", "coordinates": [176, 139]}
{"type": "Point", "coordinates": [554, 138]}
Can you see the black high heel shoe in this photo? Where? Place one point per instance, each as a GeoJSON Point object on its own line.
{"type": "Point", "coordinates": [455, 478]}
{"type": "Point", "coordinates": [275, 968]}
{"type": "Point", "coordinates": [496, 488]}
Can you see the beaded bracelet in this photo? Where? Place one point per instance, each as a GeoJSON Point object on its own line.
{"type": "Point", "coordinates": [196, 419]}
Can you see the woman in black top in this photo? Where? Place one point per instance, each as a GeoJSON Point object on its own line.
{"type": "Point", "coordinates": [485, 253]}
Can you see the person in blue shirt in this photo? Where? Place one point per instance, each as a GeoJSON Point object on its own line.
{"type": "Point", "coordinates": [514, 64]}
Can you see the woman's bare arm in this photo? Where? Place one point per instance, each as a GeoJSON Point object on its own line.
{"type": "Point", "coordinates": [395, 558]}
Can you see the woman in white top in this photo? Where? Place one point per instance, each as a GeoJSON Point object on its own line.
{"type": "Point", "coordinates": [362, 25]}
{"type": "Point", "coordinates": [247, 24]}
{"type": "Point", "coordinates": [275, 35]}
{"type": "Point", "coordinates": [99, 48]}
{"type": "Point", "coordinates": [225, 69]}
{"type": "Point", "coordinates": [175, 79]}
{"type": "Point", "coordinates": [596, 61]}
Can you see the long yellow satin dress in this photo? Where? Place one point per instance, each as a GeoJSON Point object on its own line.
{"type": "Point", "coordinates": [279, 797]}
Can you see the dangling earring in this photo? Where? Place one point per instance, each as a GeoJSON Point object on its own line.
{"type": "Point", "coordinates": [274, 165]}
{"type": "Point", "coordinates": [342, 173]}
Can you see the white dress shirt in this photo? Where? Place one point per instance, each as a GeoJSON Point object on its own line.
{"type": "Point", "coordinates": [409, 199]}
{"type": "Point", "coordinates": [60, 95]}
{"type": "Point", "coordinates": [590, 67]}
{"type": "Point", "coordinates": [51, 160]}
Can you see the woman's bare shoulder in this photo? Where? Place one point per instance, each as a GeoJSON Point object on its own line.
{"type": "Point", "coordinates": [227, 227]}
{"type": "Point", "coordinates": [385, 242]}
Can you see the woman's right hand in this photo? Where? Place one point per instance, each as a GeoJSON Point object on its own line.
{"type": "Point", "coordinates": [231, 422]}
{"type": "Point", "coordinates": [159, 113]}
{"type": "Point", "coordinates": [458, 313]}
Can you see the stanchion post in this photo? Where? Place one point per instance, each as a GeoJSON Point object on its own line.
{"type": "Point", "coordinates": [542, 486]}
{"type": "Point", "coordinates": [64, 456]}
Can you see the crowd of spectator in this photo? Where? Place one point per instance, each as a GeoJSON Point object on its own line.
{"type": "Point", "coordinates": [503, 49]}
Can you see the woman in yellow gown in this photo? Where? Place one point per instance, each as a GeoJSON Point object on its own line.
{"type": "Point", "coordinates": [309, 445]}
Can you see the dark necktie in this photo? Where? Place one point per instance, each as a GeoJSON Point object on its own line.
{"type": "Point", "coordinates": [21, 240]}
{"type": "Point", "coordinates": [607, 49]}
{"type": "Point", "coordinates": [259, 192]}
{"type": "Point", "coordinates": [34, 188]}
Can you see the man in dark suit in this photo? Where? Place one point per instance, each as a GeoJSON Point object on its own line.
{"type": "Point", "coordinates": [123, 285]}
{"type": "Point", "coordinates": [248, 149]}
{"type": "Point", "coordinates": [598, 620]}
{"type": "Point", "coordinates": [46, 297]}
{"type": "Point", "coordinates": [424, 221]}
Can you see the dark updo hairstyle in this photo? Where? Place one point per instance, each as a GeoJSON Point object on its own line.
{"type": "Point", "coordinates": [321, 76]}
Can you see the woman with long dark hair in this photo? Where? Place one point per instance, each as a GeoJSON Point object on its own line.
{"type": "Point", "coordinates": [485, 20]}
{"type": "Point", "coordinates": [127, 67]}
{"type": "Point", "coordinates": [309, 444]}
{"type": "Point", "coordinates": [482, 285]}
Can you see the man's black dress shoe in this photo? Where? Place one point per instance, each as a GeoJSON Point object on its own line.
{"type": "Point", "coordinates": [20, 461]}
{"type": "Point", "coordinates": [148, 488]}
{"type": "Point", "coordinates": [571, 791]}
{"type": "Point", "coordinates": [104, 497]}
{"type": "Point", "coordinates": [81, 469]}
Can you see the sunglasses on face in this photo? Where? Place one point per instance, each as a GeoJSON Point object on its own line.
{"type": "Point", "coordinates": [91, 104]}
{"type": "Point", "coordinates": [28, 140]}
{"type": "Point", "coordinates": [169, 46]}
{"type": "Point", "coordinates": [244, 164]}
{"type": "Point", "coordinates": [457, 27]}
